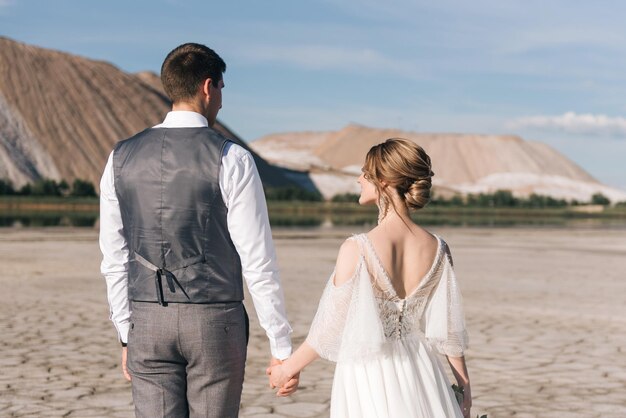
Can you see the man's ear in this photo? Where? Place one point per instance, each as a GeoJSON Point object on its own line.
{"type": "Point", "coordinates": [206, 87]}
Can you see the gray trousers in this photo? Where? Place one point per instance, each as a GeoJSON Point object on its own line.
{"type": "Point", "coordinates": [187, 360]}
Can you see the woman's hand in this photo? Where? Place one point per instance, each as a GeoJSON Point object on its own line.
{"type": "Point", "coordinates": [459, 369]}
{"type": "Point", "coordinates": [290, 387]}
{"type": "Point", "coordinates": [285, 375]}
{"type": "Point", "coordinates": [278, 376]}
{"type": "Point", "coordinates": [466, 406]}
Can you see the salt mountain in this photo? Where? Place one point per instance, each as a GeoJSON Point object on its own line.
{"type": "Point", "coordinates": [60, 114]}
{"type": "Point", "coordinates": [462, 163]}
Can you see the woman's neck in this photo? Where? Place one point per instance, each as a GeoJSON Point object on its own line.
{"type": "Point", "coordinates": [391, 213]}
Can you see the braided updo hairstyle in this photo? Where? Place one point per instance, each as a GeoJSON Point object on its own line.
{"type": "Point", "coordinates": [402, 165]}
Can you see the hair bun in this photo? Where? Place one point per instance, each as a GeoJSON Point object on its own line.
{"type": "Point", "coordinates": [418, 194]}
{"type": "Point", "coordinates": [405, 167]}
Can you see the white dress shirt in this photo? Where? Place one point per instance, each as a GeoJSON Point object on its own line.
{"type": "Point", "coordinates": [249, 229]}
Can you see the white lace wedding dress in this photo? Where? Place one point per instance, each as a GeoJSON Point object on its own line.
{"type": "Point", "coordinates": [385, 346]}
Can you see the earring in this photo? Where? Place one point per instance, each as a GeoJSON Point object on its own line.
{"type": "Point", "coordinates": [383, 206]}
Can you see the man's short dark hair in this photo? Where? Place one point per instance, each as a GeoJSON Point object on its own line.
{"type": "Point", "coordinates": [186, 68]}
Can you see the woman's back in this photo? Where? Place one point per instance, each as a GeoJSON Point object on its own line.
{"type": "Point", "coordinates": [382, 330]}
{"type": "Point", "coordinates": [406, 254]}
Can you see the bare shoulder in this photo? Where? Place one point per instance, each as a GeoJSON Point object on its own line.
{"type": "Point", "coordinates": [347, 261]}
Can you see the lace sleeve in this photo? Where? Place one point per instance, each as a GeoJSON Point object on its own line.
{"type": "Point", "coordinates": [444, 318]}
{"type": "Point", "coordinates": [329, 323]}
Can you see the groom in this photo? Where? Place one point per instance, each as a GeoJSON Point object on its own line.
{"type": "Point", "coordinates": [183, 220]}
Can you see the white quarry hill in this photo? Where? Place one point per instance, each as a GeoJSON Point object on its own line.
{"type": "Point", "coordinates": [61, 115]}
{"type": "Point", "coordinates": [462, 163]}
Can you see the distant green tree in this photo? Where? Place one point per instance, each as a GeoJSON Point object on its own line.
{"type": "Point", "coordinates": [64, 188]}
{"type": "Point", "coordinates": [6, 187]}
{"type": "Point", "coordinates": [83, 188]}
{"type": "Point", "coordinates": [456, 201]}
{"type": "Point", "coordinates": [555, 203]}
{"type": "Point", "coordinates": [471, 200]}
{"type": "Point", "coordinates": [485, 200]}
{"type": "Point", "coordinates": [504, 198]}
{"type": "Point", "coordinates": [535, 201]}
{"type": "Point", "coordinates": [292, 193]}
{"type": "Point", "coordinates": [600, 199]}
{"type": "Point", "coordinates": [435, 200]}
{"type": "Point", "coordinates": [501, 199]}
{"type": "Point", "coordinates": [45, 187]}
{"type": "Point", "coordinates": [346, 197]}
{"type": "Point", "coordinates": [25, 190]}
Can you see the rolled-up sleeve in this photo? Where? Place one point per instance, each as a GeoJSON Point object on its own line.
{"type": "Point", "coordinates": [114, 266]}
{"type": "Point", "coordinates": [249, 228]}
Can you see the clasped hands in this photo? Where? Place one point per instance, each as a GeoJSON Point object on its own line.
{"type": "Point", "coordinates": [279, 377]}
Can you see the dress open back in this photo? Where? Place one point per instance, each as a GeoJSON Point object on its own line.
{"type": "Point", "coordinates": [385, 346]}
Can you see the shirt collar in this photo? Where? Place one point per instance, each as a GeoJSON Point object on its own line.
{"type": "Point", "coordinates": [184, 119]}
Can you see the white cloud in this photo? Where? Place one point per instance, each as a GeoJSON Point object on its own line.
{"type": "Point", "coordinates": [573, 123]}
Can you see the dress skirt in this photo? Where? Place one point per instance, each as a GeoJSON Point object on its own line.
{"type": "Point", "coordinates": [406, 380]}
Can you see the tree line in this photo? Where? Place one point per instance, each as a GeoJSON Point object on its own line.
{"type": "Point", "coordinates": [498, 199]}
{"type": "Point", "coordinates": [506, 199]}
{"type": "Point", "coordinates": [49, 187]}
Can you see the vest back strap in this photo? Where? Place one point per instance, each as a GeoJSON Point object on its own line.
{"type": "Point", "coordinates": [161, 272]}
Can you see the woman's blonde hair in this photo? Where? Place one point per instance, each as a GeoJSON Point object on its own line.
{"type": "Point", "coordinates": [402, 165]}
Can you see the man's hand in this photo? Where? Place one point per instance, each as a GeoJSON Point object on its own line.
{"type": "Point", "coordinates": [289, 387]}
{"type": "Point", "coordinates": [273, 362]}
{"type": "Point", "coordinates": [124, 359]}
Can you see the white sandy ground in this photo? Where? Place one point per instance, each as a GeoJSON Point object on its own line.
{"type": "Point", "coordinates": [545, 310]}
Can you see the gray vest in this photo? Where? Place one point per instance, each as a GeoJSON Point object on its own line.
{"type": "Point", "coordinates": [180, 250]}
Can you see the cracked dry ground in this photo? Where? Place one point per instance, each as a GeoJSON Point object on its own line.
{"type": "Point", "coordinates": [545, 310]}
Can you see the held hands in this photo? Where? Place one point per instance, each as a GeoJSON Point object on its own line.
{"type": "Point", "coordinates": [279, 377]}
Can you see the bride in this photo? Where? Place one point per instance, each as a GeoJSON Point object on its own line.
{"type": "Point", "coordinates": [391, 303]}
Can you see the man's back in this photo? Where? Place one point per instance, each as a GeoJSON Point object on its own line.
{"type": "Point", "coordinates": [167, 183]}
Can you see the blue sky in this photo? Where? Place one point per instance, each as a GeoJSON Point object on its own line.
{"type": "Point", "coordinates": [553, 71]}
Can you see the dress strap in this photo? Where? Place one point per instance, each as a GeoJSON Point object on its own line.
{"type": "Point", "coordinates": [377, 273]}
{"type": "Point", "coordinates": [360, 241]}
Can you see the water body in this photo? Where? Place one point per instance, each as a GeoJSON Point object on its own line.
{"type": "Point", "coordinates": [325, 220]}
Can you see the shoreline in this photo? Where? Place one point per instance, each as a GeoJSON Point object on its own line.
{"type": "Point", "coordinates": [15, 204]}
{"type": "Point", "coordinates": [29, 212]}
